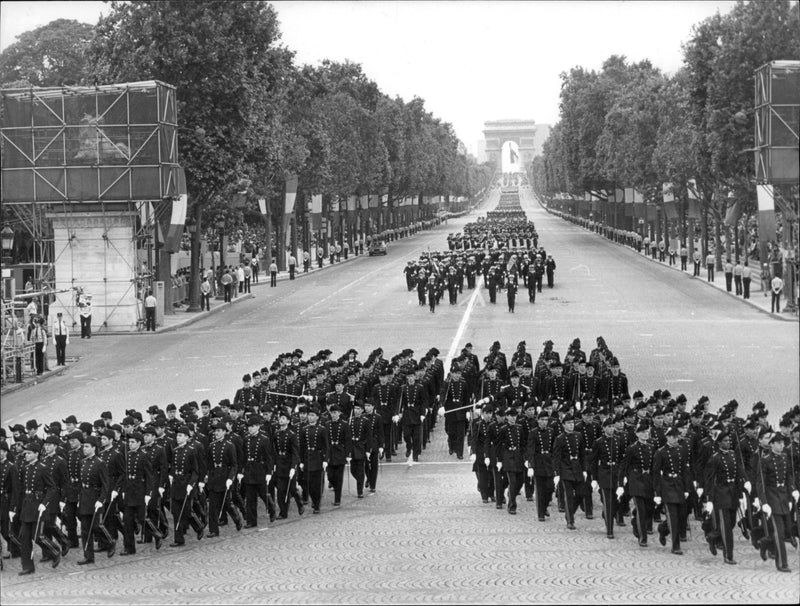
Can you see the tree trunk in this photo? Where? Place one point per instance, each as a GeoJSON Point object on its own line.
{"type": "Point", "coordinates": [718, 243]}
{"type": "Point", "coordinates": [194, 272]}
{"type": "Point", "coordinates": [704, 230]}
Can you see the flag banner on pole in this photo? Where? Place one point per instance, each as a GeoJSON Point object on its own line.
{"type": "Point", "coordinates": [364, 202]}
{"type": "Point", "coordinates": [638, 197]}
{"type": "Point", "coordinates": [172, 242]}
{"type": "Point", "coordinates": [352, 202]}
{"type": "Point", "coordinates": [262, 205]}
{"type": "Point", "coordinates": [766, 199]}
{"type": "Point", "coordinates": [513, 155]}
{"type": "Point", "coordinates": [374, 201]}
{"type": "Point", "coordinates": [692, 191]}
{"type": "Point", "coordinates": [620, 195]}
{"type": "Point", "coordinates": [291, 193]}
{"type": "Point", "coordinates": [384, 200]}
{"type": "Point", "coordinates": [316, 203]}
{"type": "Point", "coordinates": [666, 190]}
{"type": "Point", "coordinates": [335, 204]}
{"type": "Point", "coordinates": [628, 195]}
{"type": "Point", "coordinates": [671, 209]}
{"type": "Point", "coordinates": [693, 209]}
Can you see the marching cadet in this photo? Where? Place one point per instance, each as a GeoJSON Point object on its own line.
{"type": "Point", "coordinates": [776, 490]}
{"type": "Point", "coordinates": [455, 396]}
{"type": "Point", "coordinates": [137, 491]}
{"type": "Point", "coordinates": [314, 450]}
{"type": "Point", "coordinates": [500, 480]}
{"type": "Point", "coordinates": [636, 471]}
{"type": "Point", "coordinates": [569, 459]}
{"type": "Point", "coordinates": [339, 436]}
{"type": "Point", "coordinates": [480, 453]}
{"type": "Point", "coordinates": [375, 444]}
{"type": "Point", "coordinates": [185, 474]}
{"type": "Point", "coordinates": [539, 461]}
{"type": "Point", "coordinates": [605, 459]}
{"type": "Point", "coordinates": [357, 454]}
{"type": "Point", "coordinates": [57, 467]}
{"type": "Point", "coordinates": [221, 468]}
{"type": "Point", "coordinates": [412, 414]}
{"type": "Point", "coordinates": [672, 481]}
{"type": "Point", "coordinates": [723, 481]}
{"type": "Point", "coordinates": [255, 471]}
{"type": "Point", "coordinates": [115, 470]}
{"type": "Point", "coordinates": [9, 489]}
{"type": "Point", "coordinates": [37, 490]}
{"type": "Point", "coordinates": [384, 394]}
{"type": "Point", "coordinates": [509, 448]}
{"type": "Point", "coordinates": [155, 525]}
{"type": "Point", "coordinates": [287, 458]}
{"type": "Point", "coordinates": [94, 491]}
{"type": "Point", "coordinates": [511, 292]}
{"type": "Point", "coordinates": [341, 398]}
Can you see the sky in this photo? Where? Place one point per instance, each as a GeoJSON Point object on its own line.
{"type": "Point", "coordinates": [470, 61]}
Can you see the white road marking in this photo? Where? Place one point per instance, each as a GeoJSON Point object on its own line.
{"type": "Point", "coordinates": [461, 328]}
{"type": "Point", "coordinates": [662, 355]}
{"type": "Point", "coordinates": [203, 389]}
{"type": "Point", "coordinates": [645, 334]}
{"type": "Point", "coordinates": [680, 380]}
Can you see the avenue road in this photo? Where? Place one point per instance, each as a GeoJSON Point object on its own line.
{"type": "Point", "coordinates": [425, 536]}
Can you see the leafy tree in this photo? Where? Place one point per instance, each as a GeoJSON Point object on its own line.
{"type": "Point", "coordinates": [50, 55]}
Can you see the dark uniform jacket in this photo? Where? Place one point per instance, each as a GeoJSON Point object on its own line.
{"type": "Point", "coordinates": [221, 464]}
{"type": "Point", "coordinates": [57, 467]}
{"type": "Point", "coordinates": [723, 480]}
{"type": "Point", "coordinates": [774, 480]}
{"type": "Point", "coordinates": [539, 452]}
{"type": "Point", "coordinates": [257, 460]}
{"type": "Point", "coordinates": [360, 429]}
{"type": "Point", "coordinates": [339, 436]}
{"type": "Point", "coordinates": [637, 467]}
{"type": "Point", "coordinates": [672, 476]}
{"type": "Point", "coordinates": [412, 404]}
{"type": "Point", "coordinates": [137, 481]}
{"type": "Point", "coordinates": [605, 460]}
{"type": "Point", "coordinates": [94, 485]}
{"type": "Point", "coordinates": [36, 486]}
{"type": "Point", "coordinates": [374, 431]}
{"type": "Point", "coordinates": [510, 447]}
{"type": "Point", "coordinates": [9, 487]}
{"type": "Point", "coordinates": [314, 447]}
{"type": "Point", "coordinates": [455, 395]}
{"type": "Point", "coordinates": [158, 462]}
{"type": "Point", "coordinates": [287, 452]}
{"type": "Point", "coordinates": [74, 461]}
{"type": "Point", "coordinates": [569, 456]}
{"type": "Point", "coordinates": [184, 470]}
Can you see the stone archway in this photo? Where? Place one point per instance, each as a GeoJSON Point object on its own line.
{"type": "Point", "coordinates": [526, 135]}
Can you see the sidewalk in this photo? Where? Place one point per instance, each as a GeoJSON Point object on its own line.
{"type": "Point", "coordinates": [757, 299]}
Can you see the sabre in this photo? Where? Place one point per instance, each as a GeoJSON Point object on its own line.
{"type": "Point", "coordinates": [180, 515]}
{"type": "Point", "coordinates": [38, 525]}
{"type": "Point", "coordinates": [89, 534]}
{"type": "Point", "coordinates": [224, 499]}
{"type": "Point", "coordinates": [103, 521]}
{"type": "Point", "coordinates": [443, 412]}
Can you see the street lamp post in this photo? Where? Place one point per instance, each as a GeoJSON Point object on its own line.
{"type": "Point", "coordinates": [8, 244]}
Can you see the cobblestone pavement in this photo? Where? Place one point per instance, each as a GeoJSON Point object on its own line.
{"type": "Point", "coordinates": [423, 537]}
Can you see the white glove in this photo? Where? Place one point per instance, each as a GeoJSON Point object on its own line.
{"type": "Point", "coordinates": [556, 480]}
{"type": "Point", "coordinates": [595, 485]}
{"type": "Point", "coordinates": [757, 504]}
{"type": "Point", "coordinates": [748, 487]}
{"type": "Point", "coordinates": [620, 492]}
{"type": "Point", "coordinates": [699, 493]}
{"type": "Point", "coordinates": [396, 418]}
{"type": "Point", "coordinates": [421, 418]}
{"type": "Point", "coordinates": [467, 413]}
{"type": "Point", "coordinates": [472, 458]}
{"type": "Point", "coordinates": [228, 483]}
{"type": "Point", "coordinates": [291, 473]}
{"type": "Point", "coordinates": [302, 466]}
{"type": "Point", "coordinates": [657, 500]}
{"type": "Point", "coordinates": [694, 483]}
{"type": "Point", "coordinates": [585, 475]}
{"type": "Point", "coordinates": [61, 506]}
{"type": "Point", "coordinates": [325, 463]}
{"type": "Point", "coordinates": [685, 495]}
{"type": "Point", "coordinates": [98, 505]}
{"type": "Point", "coordinates": [240, 476]}
{"type": "Point", "coordinates": [308, 398]}
{"type": "Point", "coordinates": [796, 495]}
{"type": "Point", "coordinates": [189, 489]}
{"type": "Point", "coordinates": [767, 509]}
{"type": "Point", "coordinates": [12, 515]}
{"type": "Point", "coordinates": [114, 494]}
{"type": "Point", "coordinates": [42, 508]}
{"type": "Point", "coordinates": [486, 461]}
{"type": "Point", "coordinates": [147, 498]}
{"type": "Point", "coordinates": [530, 472]}
{"type": "Point", "coordinates": [347, 460]}
{"type": "Point", "coordinates": [171, 478]}
{"type": "Point", "coordinates": [440, 412]}
{"type": "Point", "coordinates": [499, 465]}
{"type": "Point", "coordinates": [380, 451]}
{"type": "Point", "coordinates": [269, 478]}
{"type": "Point", "coordinates": [709, 507]}
{"type": "Point", "coordinates": [161, 491]}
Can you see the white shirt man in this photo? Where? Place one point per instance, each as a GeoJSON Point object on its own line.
{"type": "Point", "coordinates": [60, 339]}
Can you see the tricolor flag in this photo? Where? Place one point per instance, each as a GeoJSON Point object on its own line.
{"type": "Point", "coordinates": [514, 155]}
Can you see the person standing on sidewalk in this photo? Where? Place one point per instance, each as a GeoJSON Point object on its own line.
{"type": "Point", "coordinates": [60, 339]}
{"type": "Point", "coordinates": [728, 267]}
{"type": "Point", "coordinates": [205, 295]}
{"type": "Point", "coordinates": [273, 274]}
{"type": "Point", "coordinates": [777, 288]}
{"type": "Point", "coordinates": [320, 255]}
{"type": "Point", "coordinates": [248, 274]}
{"type": "Point", "coordinates": [684, 256]}
{"type": "Point", "coordinates": [737, 277]}
{"type": "Point", "coordinates": [696, 258]}
{"type": "Point", "coordinates": [746, 280]}
{"type": "Point", "coordinates": [86, 317]}
{"type": "Point", "coordinates": [39, 339]}
{"type": "Point", "coordinates": [240, 279]}
{"type": "Point", "coordinates": [150, 303]}
{"type": "Point", "coordinates": [292, 266]}
{"type": "Point", "coordinates": [306, 261]}
{"type": "Point", "coordinates": [765, 280]}
{"type": "Point", "coordinates": [254, 267]}
{"type": "Point", "coordinates": [710, 260]}
{"type": "Point", "coordinates": [227, 284]}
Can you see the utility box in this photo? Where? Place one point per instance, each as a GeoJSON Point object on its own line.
{"type": "Point", "coordinates": [158, 292]}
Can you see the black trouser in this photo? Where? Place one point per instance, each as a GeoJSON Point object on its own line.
{"type": "Point", "coordinates": [227, 293]}
{"type": "Point", "coordinates": [530, 484]}
{"type": "Point", "coordinates": [726, 519]}
{"type": "Point", "coordinates": [710, 270]}
{"type": "Point", "coordinates": [255, 274]}
{"type": "Point", "coordinates": [291, 272]}
{"type": "Point", "coordinates": [500, 485]}
{"type": "Point", "coordinates": [150, 318]}
{"type": "Point", "coordinates": [273, 278]}
{"type": "Point", "coordinates": [492, 294]}
{"type": "Point", "coordinates": [357, 471]}
{"type": "Point", "coordinates": [50, 536]}
{"type": "Point", "coordinates": [484, 479]}
{"type": "Point", "coordinates": [61, 350]}
{"type": "Point", "coordinates": [182, 522]}
{"type": "Point", "coordinates": [728, 281]}
{"type": "Point", "coordinates": [585, 495]}
{"type": "Point", "coordinates": [673, 523]}
{"type": "Point", "coordinates": [609, 500]}
{"type": "Point", "coordinates": [532, 292]}
{"type": "Point", "coordinates": [455, 437]}
{"type": "Point", "coordinates": [286, 489]}
{"type": "Point", "coordinates": [87, 533]}
{"type": "Point", "coordinates": [205, 302]}
{"type": "Point", "coordinates": [432, 301]}
{"type": "Point", "coordinates": [153, 524]}
{"type": "Point", "coordinates": [132, 515]}
{"type": "Point", "coordinates": [216, 506]}
{"type": "Point", "coordinates": [737, 281]}
{"type": "Point", "coordinates": [86, 327]}
{"type": "Point", "coordinates": [644, 516]}
{"type": "Point", "coordinates": [306, 263]}
{"type": "Point", "coordinates": [776, 527]}
{"type": "Point", "coordinates": [247, 284]}
{"type": "Point", "coordinates": [412, 434]}
{"type": "Point", "coordinates": [696, 269]}
{"type": "Point", "coordinates": [336, 478]}
{"type": "Point", "coordinates": [571, 491]}
{"type": "Point", "coordinates": [253, 492]}
{"type": "Point", "coordinates": [371, 467]}
{"type": "Point", "coordinates": [39, 355]}
{"type": "Point", "coordinates": [25, 535]}
{"type": "Point", "coordinates": [776, 302]}
{"type": "Point", "coordinates": [511, 299]}
{"type": "Point", "coordinates": [515, 481]}
{"type": "Point", "coordinates": [549, 279]}
{"type": "Point", "coordinates": [314, 486]}
{"type": "Point", "coordinates": [746, 287]}
{"type": "Point", "coordinates": [683, 263]}
{"type": "Point", "coordinates": [388, 439]}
